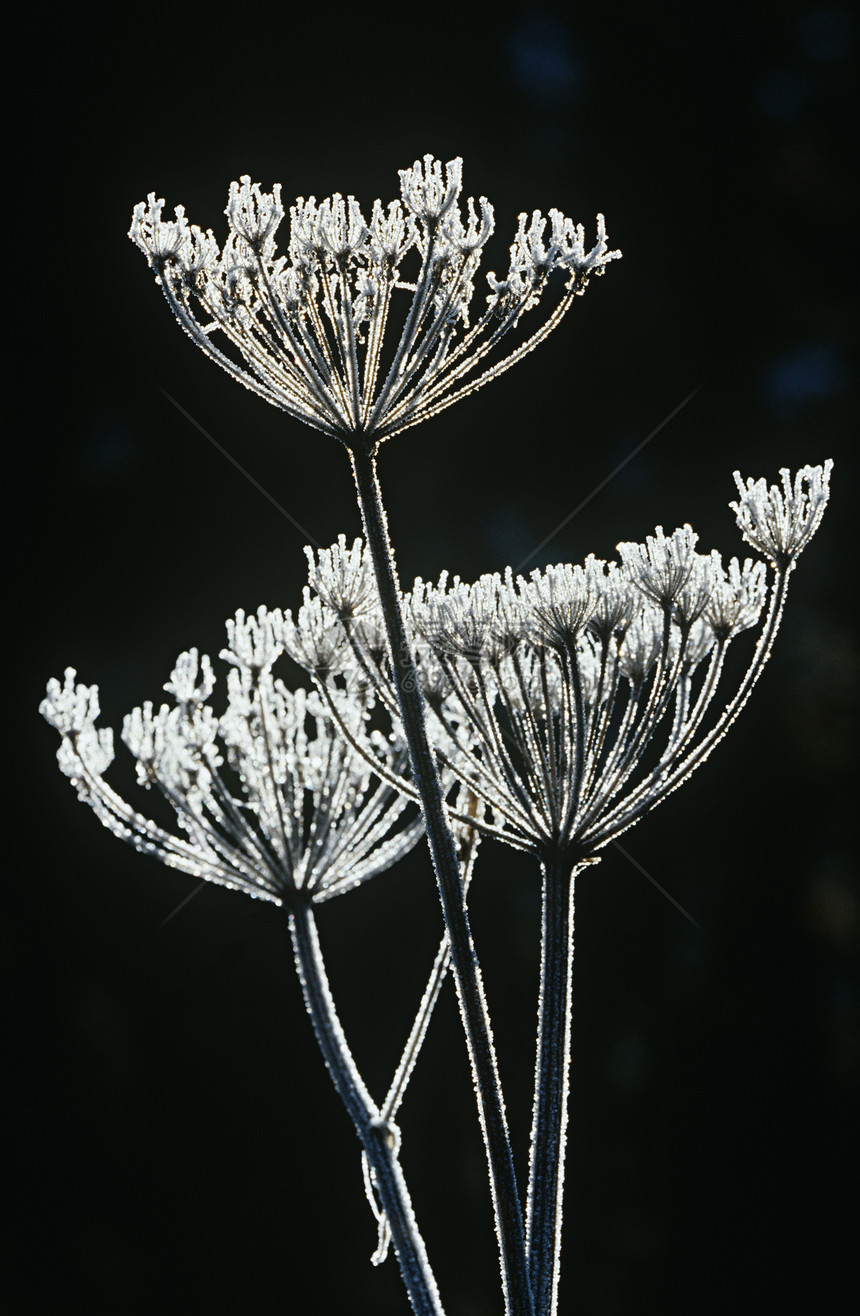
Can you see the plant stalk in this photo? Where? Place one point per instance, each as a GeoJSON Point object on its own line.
{"type": "Point", "coordinates": [378, 1136]}
{"type": "Point", "coordinates": [464, 959]}
{"type": "Point", "coordinates": [549, 1116]}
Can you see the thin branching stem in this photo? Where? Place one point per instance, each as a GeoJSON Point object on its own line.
{"type": "Point", "coordinates": [376, 1133]}
{"type": "Point", "coordinates": [464, 959]}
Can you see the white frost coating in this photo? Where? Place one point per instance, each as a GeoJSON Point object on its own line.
{"type": "Point", "coordinates": [561, 708]}
{"type": "Point", "coordinates": [561, 600]}
{"type": "Point", "coordinates": [255, 643]}
{"type": "Point", "coordinates": [780, 522]}
{"type": "Point", "coordinates": [425, 192]}
{"type": "Point", "coordinates": [343, 578]}
{"type": "Point", "coordinates": [253, 215]}
{"type": "Point", "coordinates": [73, 709]}
{"type": "Point", "coordinates": [546, 699]}
{"type": "Point", "coordinates": [305, 330]}
{"type": "Point", "coordinates": [183, 679]}
{"type": "Point", "coordinates": [737, 599]}
{"type": "Point", "coordinates": [571, 703]}
{"type": "Point", "coordinates": [314, 639]}
{"type": "Point", "coordinates": [297, 811]}
{"type": "Point", "coordinates": [662, 566]}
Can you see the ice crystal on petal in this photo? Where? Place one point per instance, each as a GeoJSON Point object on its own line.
{"type": "Point", "coordinates": [174, 747]}
{"type": "Point", "coordinates": [510, 622]}
{"type": "Point", "coordinates": [561, 600]}
{"type": "Point", "coordinates": [255, 642]}
{"type": "Point", "coordinates": [182, 684]}
{"type": "Point", "coordinates": [73, 709]}
{"type": "Point", "coordinates": [335, 227]}
{"type": "Point", "coordinates": [640, 648]}
{"type": "Point", "coordinates": [692, 600]}
{"type": "Point", "coordinates": [69, 707]}
{"type": "Point", "coordinates": [615, 603]}
{"type": "Point", "coordinates": [391, 234]}
{"type": "Point", "coordinates": [469, 238]}
{"type": "Point", "coordinates": [160, 240]}
{"type": "Point", "coordinates": [457, 619]}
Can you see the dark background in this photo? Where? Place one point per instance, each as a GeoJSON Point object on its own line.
{"type": "Point", "coordinates": [174, 1140]}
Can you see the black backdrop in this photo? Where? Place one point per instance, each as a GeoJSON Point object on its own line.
{"type": "Point", "coordinates": [175, 1143]}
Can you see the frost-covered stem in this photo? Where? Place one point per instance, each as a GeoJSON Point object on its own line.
{"type": "Point", "coordinates": [417, 1034]}
{"type": "Point", "coordinates": [549, 1114]}
{"type": "Point", "coordinates": [375, 1133]}
{"type": "Point", "coordinates": [464, 959]}
{"type": "Point", "coordinates": [418, 1031]}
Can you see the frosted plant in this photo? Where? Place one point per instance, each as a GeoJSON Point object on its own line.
{"type": "Point", "coordinates": [270, 800]}
{"type": "Point", "coordinates": [546, 695]}
{"type": "Point", "coordinates": [306, 330]}
{"type": "Point", "coordinates": [548, 713]}
{"type": "Point", "coordinates": [570, 705]}
{"type": "Point", "coordinates": [780, 522]}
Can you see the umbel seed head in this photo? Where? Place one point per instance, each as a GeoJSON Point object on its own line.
{"type": "Point", "coordinates": [573, 702]}
{"type": "Point", "coordinates": [781, 519]}
{"type": "Point", "coordinates": [269, 797]}
{"type": "Point", "coordinates": [307, 330]}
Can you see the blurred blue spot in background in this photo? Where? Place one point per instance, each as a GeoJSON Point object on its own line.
{"type": "Point", "coordinates": [812, 372]}
{"type": "Point", "coordinates": [826, 34]}
{"type": "Point", "coordinates": [543, 62]}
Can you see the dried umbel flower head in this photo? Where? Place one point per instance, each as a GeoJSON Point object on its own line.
{"type": "Point", "coordinates": [343, 578]}
{"type": "Point", "coordinates": [572, 703]}
{"type": "Point", "coordinates": [270, 798]}
{"type": "Point", "coordinates": [780, 521]}
{"type": "Point", "coordinates": [306, 330]}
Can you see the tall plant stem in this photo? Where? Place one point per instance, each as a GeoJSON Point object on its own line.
{"type": "Point", "coordinates": [464, 959]}
{"type": "Point", "coordinates": [377, 1135]}
{"type": "Point", "coordinates": [549, 1117]}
